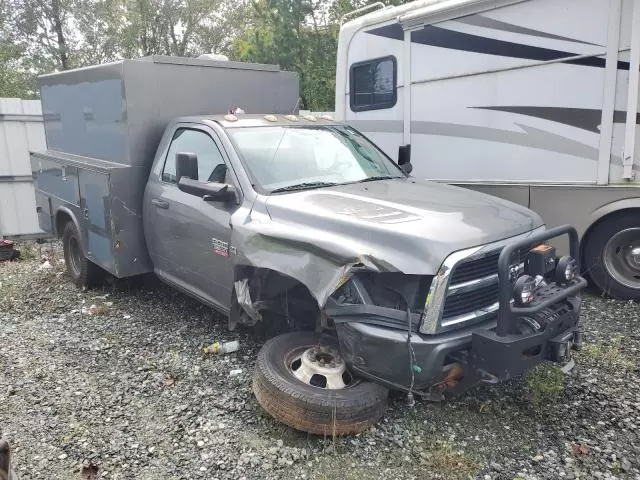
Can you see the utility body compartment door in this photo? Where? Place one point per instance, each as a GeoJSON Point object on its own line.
{"type": "Point", "coordinates": [96, 215]}
{"type": "Point", "coordinates": [189, 238]}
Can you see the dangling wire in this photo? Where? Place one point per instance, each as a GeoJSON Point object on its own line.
{"type": "Point", "coordinates": [412, 355]}
{"type": "Point", "coordinates": [412, 359]}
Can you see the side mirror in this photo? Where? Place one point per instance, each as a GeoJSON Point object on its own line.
{"type": "Point", "coordinates": [186, 166]}
{"type": "Point", "coordinates": [209, 191]}
{"type": "Point", "coordinates": [404, 158]}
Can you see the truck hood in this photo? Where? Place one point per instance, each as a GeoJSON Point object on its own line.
{"type": "Point", "coordinates": [320, 236]}
{"type": "Point", "coordinates": [412, 224]}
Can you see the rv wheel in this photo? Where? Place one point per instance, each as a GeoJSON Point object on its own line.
{"type": "Point", "coordinates": [612, 255]}
{"type": "Point", "coordinates": [301, 380]}
{"type": "Point", "coordinates": [83, 272]}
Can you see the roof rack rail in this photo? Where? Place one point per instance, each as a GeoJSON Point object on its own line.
{"type": "Point", "coordinates": [358, 11]}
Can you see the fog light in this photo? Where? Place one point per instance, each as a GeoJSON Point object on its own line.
{"type": "Point", "coordinates": [566, 270]}
{"type": "Point", "coordinates": [523, 290]}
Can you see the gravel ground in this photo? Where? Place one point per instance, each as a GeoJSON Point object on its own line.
{"type": "Point", "coordinates": [129, 393]}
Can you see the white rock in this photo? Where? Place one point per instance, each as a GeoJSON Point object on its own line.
{"type": "Point", "coordinates": [45, 266]}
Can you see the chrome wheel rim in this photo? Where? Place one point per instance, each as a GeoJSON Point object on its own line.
{"type": "Point", "coordinates": [622, 257]}
{"type": "Point", "coordinates": [320, 367]}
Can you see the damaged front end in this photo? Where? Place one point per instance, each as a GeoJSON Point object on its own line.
{"type": "Point", "coordinates": [470, 328]}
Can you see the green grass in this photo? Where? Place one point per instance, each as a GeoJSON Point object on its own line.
{"type": "Point", "coordinates": [8, 295]}
{"type": "Point", "coordinates": [543, 384]}
{"type": "Point", "coordinates": [441, 457]}
{"type": "Point", "coordinates": [609, 354]}
{"type": "Point", "coordinates": [27, 252]}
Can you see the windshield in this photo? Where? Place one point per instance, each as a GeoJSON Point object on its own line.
{"type": "Point", "coordinates": [284, 158]}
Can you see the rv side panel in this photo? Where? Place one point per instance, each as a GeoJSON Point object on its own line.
{"type": "Point", "coordinates": [374, 61]}
{"type": "Point", "coordinates": [510, 95]}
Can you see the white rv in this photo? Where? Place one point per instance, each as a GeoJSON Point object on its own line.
{"type": "Point", "coordinates": [535, 101]}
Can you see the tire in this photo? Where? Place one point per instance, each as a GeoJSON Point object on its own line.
{"type": "Point", "coordinates": [309, 408]}
{"type": "Point", "coordinates": [609, 264]}
{"type": "Point", "coordinates": [82, 271]}
{"type": "Point", "coordinates": [5, 461]}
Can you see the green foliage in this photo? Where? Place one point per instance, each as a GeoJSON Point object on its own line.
{"type": "Point", "coordinates": [14, 80]}
{"type": "Point", "coordinates": [298, 35]}
{"type": "Point", "coordinates": [450, 463]}
{"type": "Point", "coordinates": [609, 354]}
{"type": "Point", "coordinates": [27, 251]}
{"type": "Point", "coordinates": [544, 384]}
{"type": "Point", "coordinates": [41, 36]}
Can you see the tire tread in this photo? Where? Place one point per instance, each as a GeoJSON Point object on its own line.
{"type": "Point", "coordinates": [317, 411]}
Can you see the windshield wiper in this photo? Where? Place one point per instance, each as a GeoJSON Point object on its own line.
{"type": "Point", "coordinates": [380, 177]}
{"type": "Point", "coordinates": [303, 186]}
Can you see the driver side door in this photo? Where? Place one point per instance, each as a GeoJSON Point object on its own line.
{"type": "Point", "coordinates": [192, 235]}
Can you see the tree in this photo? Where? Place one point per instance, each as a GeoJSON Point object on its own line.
{"type": "Point", "coordinates": [99, 24]}
{"type": "Point", "coordinates": [178, 27]}
{"type": "Point", "coordinates": [41, 36]}
{"type": "Point", "coordinates": [14, 80]}
{"type": "Point", "coordinates": [42, 28]}
{"type": "Point", "coordinates": [298, 35]}
{"type": "Point", "coordinates": [289, 33]}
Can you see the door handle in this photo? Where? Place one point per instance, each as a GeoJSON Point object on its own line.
{"type": "Point", "coordinates": [160, 203]}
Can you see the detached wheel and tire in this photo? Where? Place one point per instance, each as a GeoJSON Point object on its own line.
{"type": "Point", "coordinates": [301, 380]}
{"type": "Point", "coordinates": [83, 272]}
{"type": "Point", "coordinates": [612, 256]}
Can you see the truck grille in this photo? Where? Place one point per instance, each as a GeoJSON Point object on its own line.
{"type": "Point", "coordinates": [473, 291]}
{"type": "Point", "coordinates": [462, 304]}
{"type": "Point", "coordinates": [476, 268]}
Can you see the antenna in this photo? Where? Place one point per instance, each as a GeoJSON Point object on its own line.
{"type": "Point", "coordinates": [296, 106]}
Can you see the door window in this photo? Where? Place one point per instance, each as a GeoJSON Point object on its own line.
{"type": "Point", "coordinates": [211, 166]}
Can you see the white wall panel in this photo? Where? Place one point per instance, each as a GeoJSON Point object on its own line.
{"type": "Point", "coordinates": [21, 130]}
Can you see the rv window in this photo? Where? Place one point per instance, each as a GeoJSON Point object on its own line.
{"type": "Point", "coordinates": [373, 84]}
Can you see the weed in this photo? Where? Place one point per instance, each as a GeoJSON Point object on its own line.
{"type": "Point", "coordinates": [9, 295]}
{"type": "Point", "coordinates": [338, 467]}
{"type": "Point", "coordinates": [442, 458]}
{"type": "Point", "coordinates": [101, 309]}
{"type": "Point", "coordinates": [27, 252]}
{"type": "Point", "coordinates": [543, 384]}
{"type": "Point", "coordinates": [609, 354]}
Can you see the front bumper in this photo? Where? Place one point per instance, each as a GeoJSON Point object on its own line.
{"type": "Point", "coordinates": [381, 354]}
{"type": "Point", "coordinates": [493, 350]}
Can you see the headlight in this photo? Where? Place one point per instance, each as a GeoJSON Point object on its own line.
{"type": "Point", "coordinates": [566, 270]}
{"type": "Point", "coordinates": [523, 290]}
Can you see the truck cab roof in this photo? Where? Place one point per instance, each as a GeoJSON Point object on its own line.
{"type": "Point", "coordinates": [259, 120]}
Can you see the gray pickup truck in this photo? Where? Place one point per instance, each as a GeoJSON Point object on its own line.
{"type": "Point", "coordinates": [299, 224]}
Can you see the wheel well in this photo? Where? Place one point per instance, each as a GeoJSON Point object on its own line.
{"type": "Point", "coordinates": [275, 293]}
{"type": "Point", "coordinates": [594, 225]}
{"type": "Point", "coordinates": [62, 218]}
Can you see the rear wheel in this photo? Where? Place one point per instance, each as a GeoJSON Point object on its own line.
{"type": "Point", "coordinates": [612, 255]}
{"type": "Point", "coordinates": [82, 271]}
{"type": "Point", "coordinates": [301, 380]}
